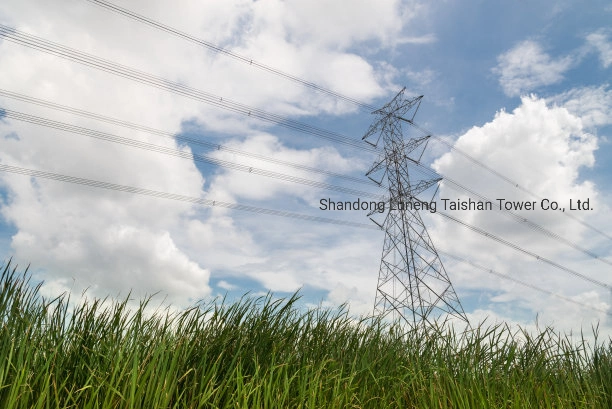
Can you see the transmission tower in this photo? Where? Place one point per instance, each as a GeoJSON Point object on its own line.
{"type": "Point", "coordinates": [413, 286]}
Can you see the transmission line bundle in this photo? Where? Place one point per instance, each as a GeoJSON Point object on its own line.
{"type": "Point", "coordinates": [413, 285]}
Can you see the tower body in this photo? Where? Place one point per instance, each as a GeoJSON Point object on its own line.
{"type": "Point", "coordinates": [413, 286]}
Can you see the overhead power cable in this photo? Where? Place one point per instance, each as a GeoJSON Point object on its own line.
{"type": "Point", "coordinates": [176, 32]}
{"type": "Point", "coordinates": [244, 168]}
{"type": "Point", "coordinates": [20, 116]}
{"type": "Point", "coordinates": [236, 206]}
{"type": "Point", "coordinates": [536, 227]}
{"type": "Point", "coordinates": [89, 60]}
{"type": "Point", "coordinates": [452, 147]}
{"type": "Point", "coordinates": [218, 49]}
{"type": "Point", "coordinates": [515, 216]}
{"type": "Point", "coordinates": [185, 155]}
{"type": "Point", "coordinates": [140, 18]}
{"type": "Point", "coordinates": [173, 196]}
{"type": "Point", "coordinates": [453, 184]}
{"type": "Point", "coordinates": [422, 168]}
{"type": "Point", "coordinates": [219, 147]}
{"type": "Point", "coordinates": [35, 43]}
{"type": "Point", "coordinates": [46, 46]}
{"type": "Point", "coordinates": [525, 251]}
{"type": "Point", "coordinates": [523, 283]}
{"type": "Point", "coordinates": [506, 179]}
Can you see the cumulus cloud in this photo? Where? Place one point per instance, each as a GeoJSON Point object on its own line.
{"type": "Point", "coordinates": [112, 242]}
{"type": "Point", "coordinates": [526, 67]}
{"type": "Point", "coordinates": [544, 148]}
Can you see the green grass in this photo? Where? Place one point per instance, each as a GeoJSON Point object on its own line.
{"type": "Point", "coordinates": [268, 353]}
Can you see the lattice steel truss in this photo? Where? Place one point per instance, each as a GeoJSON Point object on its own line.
{"type": "Point", "coordinates": [413, 286]}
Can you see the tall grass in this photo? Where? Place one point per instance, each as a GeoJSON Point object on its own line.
{"type": "Point", "coordinates": [269, 353]}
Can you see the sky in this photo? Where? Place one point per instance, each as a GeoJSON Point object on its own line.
{"type": "Point", "coordinates": [523, 88]}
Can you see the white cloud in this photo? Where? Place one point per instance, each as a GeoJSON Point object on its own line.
{"type": "Point", "coordinates": [362, 300]}
{"type": "Point", "coordinates": [219, 243]}
{"type": "Point", "coordinates": [334, 24]}
{"type": "Point", "coordinates": [226, 286]}
{"type": "Point", "coordinates": [526, 67]}
{"type": "Point", "coordinates": [600, 42]}
{"type": "Point", "coordinates": [111, 242]}
{"type": "Point", "coordinates": [237, 185]}
{"type": "Point", "coordinates": [593, 105]}
{"type": "Point", "coordinates": [544, 148]}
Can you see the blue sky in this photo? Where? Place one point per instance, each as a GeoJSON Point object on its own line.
{"type": "Point", "coordinates": [521, 86]}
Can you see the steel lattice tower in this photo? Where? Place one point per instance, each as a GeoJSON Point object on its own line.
{"type": "Point", "coordinates": [413, 286]}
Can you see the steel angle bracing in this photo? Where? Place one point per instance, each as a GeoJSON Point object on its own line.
{"type": "Point", "coordinates": [422, 186]}
{"type": "Point", "coordinates": [377, 167]}
{"type": "Point", "coordinates": [413, 285]}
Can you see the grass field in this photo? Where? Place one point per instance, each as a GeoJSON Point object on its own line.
{"type": "Point", "coordinates": [268, 353]}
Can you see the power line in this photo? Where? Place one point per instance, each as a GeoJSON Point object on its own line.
{"type": "Point", "coordinates": [181, 34]}
{"type": "Point", "coordinates": [219, 147]}
{"type": "Point", "coordinates": [523, 283]}
{"type": "Point", "coordinates": [218, 49]}
{"type": "Point", "coordinates": [428, 172]}
{"type": "Point", "coordinates": [518, 218]}
{"type": "Point", "coordinates": [171, 30]}
{"type": "Point", "coordinates": [185, 155]}
{"type": "Point", "coordinates": [241, 207]}
{"type": "Point", "coordinates": [64, 52]}
{"type": "Point", "coordinates": [58, 50]}
{"type": "Point", "coordinates": [34, 42]}
{"type": "Point", "coordinates": [451, 148]}
{"type": "Point", "coordinates": [177, 197]}
{"type": "Point", "coordinates": [181, 154]}
{"type": "Point", "coordinates": [253, 209]}
{"type": "Point", "coordinates": [538, 228]}
{"type": "Point", "coordinates": [504, 178]}
{"type": "Point", "coordinates": [525, 251]}
{"type": "Point", "coordinates": [422, 168]}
